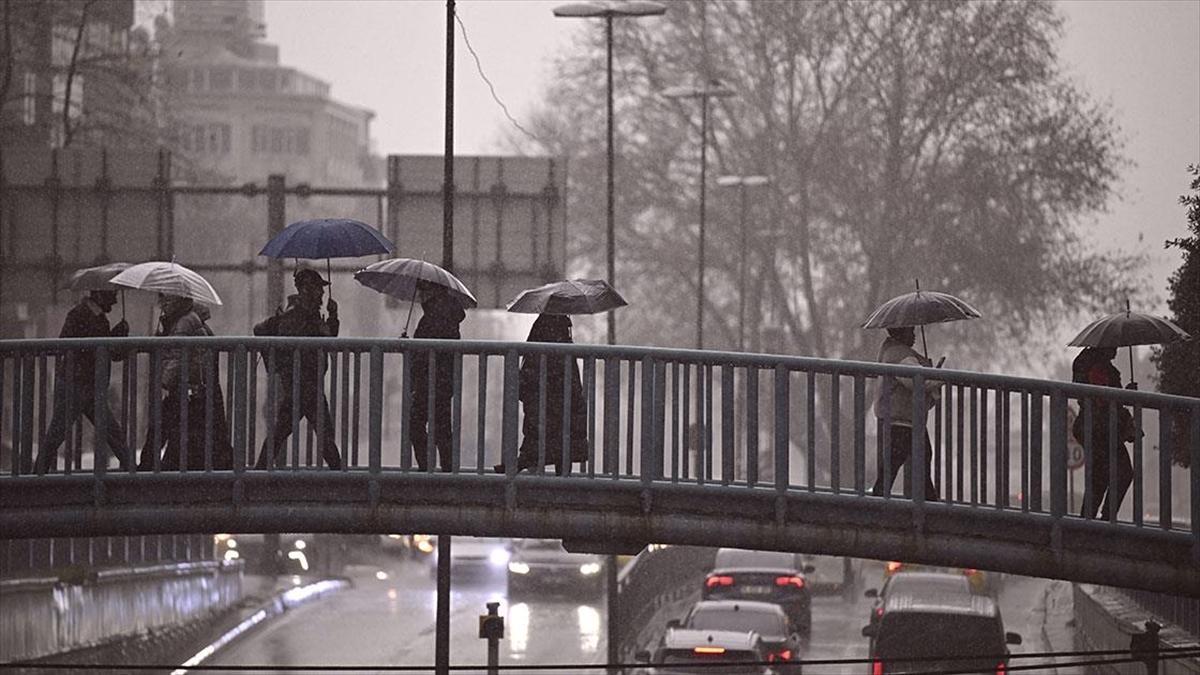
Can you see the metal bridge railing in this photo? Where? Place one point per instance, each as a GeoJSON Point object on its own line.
{"type": "Point", "coordinates": [758, 421]}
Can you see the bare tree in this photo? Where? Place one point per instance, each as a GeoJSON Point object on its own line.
{"type": "Point", "coordinates": [906, 139]}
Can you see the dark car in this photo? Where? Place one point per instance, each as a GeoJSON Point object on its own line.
{"type": "Point", "coordinates": [543, 564]}
{"type": "Point", "coordinates": [697, 652]}
{"type": "Point", "coordinates": [934, 631]}
{"type": "Point", "coordinates": [915, 583]}
{"type": "Point", "coordinates": [764, 576]}
{"type": "Point", "coordinates": [779, 637]}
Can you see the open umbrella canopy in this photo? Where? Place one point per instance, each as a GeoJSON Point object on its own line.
{"type": "Point", "coordinates": [327, 238]}
{"type": "Point", "coordinates": [170, 278]}
{"type": "Point", "coordinates": [398, 278]}
{"type": "Point", "coordinates": [1126, 329]}
{"type": "Point", "coordinates": [97, 278]}
{"type": "Point", "coordinates": [920, 308]}
{"type": "Point", "coordinates": [574, 296]}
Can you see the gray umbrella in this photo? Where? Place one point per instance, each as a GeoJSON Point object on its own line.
{"type": "Point", "coordinates": [98, 278]}
{"type": "Point", "coordinates": [574, 296]}
{"type": "Point", "coordinates": [1129, 328]}
{"type": "Point", "coordinates": [918, 309]}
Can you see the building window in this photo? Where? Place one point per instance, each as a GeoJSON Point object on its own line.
{"type": "Point", "coordinates": [29, 105]}
{"type": "Point", "coordinates": [213, 138]}
{"type": "Point", "coordinates": [266, 80]}
{"type": "Point", "coordinates": [220, 79]}
{"type": "Point", "coordinates": [269, 140]}
{"type": "Point", "coordinates": [247, 79]}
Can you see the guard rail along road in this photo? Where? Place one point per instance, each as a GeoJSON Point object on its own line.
{"type": "Point", "coordinates": [685, 447]}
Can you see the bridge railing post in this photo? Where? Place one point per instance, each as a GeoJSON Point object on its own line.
{"type": "Point", "coordinates": [1194, 470]}
{"type": "Point", "coordinates": [508, 448]}
{"type": "Point", "coordinates": [782, 430]}
{"type": "Point", "coordinates": [649, 468]}
{"type": "Point", "coordinates": [920, 465]}
{"type": "Point", "coordinates": [375, 414]}
{"type": "Point", "coordinates": [1058, 453]}
{"type": "Point", "coordinates": [751, 426]}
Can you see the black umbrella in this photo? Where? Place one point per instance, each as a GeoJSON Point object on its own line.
{"type": "Point", "coordinates": [918, 309]}
{"type": "Point", "coordinates": [574, 296]}
{"type": "Point", "coordinates": [1129, 328]}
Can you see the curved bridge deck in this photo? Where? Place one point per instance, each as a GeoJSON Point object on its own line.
{"type": "Point", "coordinates": [694, 447]}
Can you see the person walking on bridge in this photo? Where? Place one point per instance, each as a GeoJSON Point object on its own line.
{"type": "Point", "coordinates": [75, 391]}
{"type": "Point", "coordinates": [1094, 365]}
{"type": "Point", "coordinates": [441, 315]}
{"type": "Point", "coordinates": [897, 348]}
{"type": "Point", "coordinates": [302, 319]}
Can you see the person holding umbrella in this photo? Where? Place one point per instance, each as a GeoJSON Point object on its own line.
{"type": "Point", "coordinates": [893, 402]}
{"type": "Point", "coordinates": [542, 427]}
{"type": "Point", "coordinates": [441, 314]}
{"type": "Point", "coordinates": [1094, 365]}
{"type": "Point", "coordinates": [75, 392]}
{"type": "Point", "coordinates": [302, 319]}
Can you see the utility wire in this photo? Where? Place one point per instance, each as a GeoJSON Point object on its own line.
{"type": "Point", "coordinates": [479, 66]}
{"type": "Point", "coordinates": [1165, 654]}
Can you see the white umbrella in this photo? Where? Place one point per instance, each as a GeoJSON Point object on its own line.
{"type": "Point", "coordinates": [170, 278]}
{"type": "Point", "coordinates": [97, 278]}
{"type": "Point", "coordinates": [399, 277]}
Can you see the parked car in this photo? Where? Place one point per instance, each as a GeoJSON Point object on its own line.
{"type": "Point", "coordinates": [982, 581]}
{"type": "Point", "coordinates": [779, 637]}
{"type": "Point", "coordinates": [407, 545]}
{"type": "Point", "coordinates": [925, 631]}
{"type": "Point", "coordinates": [694, 652]}
{"type": "Point", "coordinates": [766, 576]}
{"type": "Point", "coordinates": [915, 583]}
{"type": "Point", "coordinates": [545, 565]}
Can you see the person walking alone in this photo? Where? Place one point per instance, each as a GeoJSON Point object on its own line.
{"type": "Point", "coordinates": [1094, 366]}
{"type": "Point", "coordinates": [897, 348]}
{"type": "Point", "coordinates": [441, 315]}
{"type": "Point", "coordinates": [301, 319]}
{"type": "Point", "coordinates": [75, 391]}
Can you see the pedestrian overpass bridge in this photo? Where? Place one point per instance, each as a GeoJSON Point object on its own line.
{"type": "Point", "coordinates": [685, 447]}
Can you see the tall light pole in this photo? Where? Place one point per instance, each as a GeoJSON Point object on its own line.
{"type": "Point", "coordinates": [608, 12]}
{"type": "Point", "coordinates": [713, 89]}
{"type": "Point", "coordinates": [742, 182]}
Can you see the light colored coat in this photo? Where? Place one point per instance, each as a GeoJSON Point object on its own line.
{"type": "Point", "coordinates": [893, 351]}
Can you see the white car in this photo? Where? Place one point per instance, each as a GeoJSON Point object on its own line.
{"type": "Point", "coordinates": [545, 566]}
{"type": "Point", "coordinates": [475, 556]}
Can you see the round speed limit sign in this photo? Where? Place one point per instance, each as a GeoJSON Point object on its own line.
{"type": "Point", "coordinates": [1075, 457]}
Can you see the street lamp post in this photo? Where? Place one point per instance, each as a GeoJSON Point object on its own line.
{"type": "Point", "coordinates": [608, 12]}
{"type": "Point", "coordinates": [713, 89]}
{"type": "Point", "coordinates": [742, 182]}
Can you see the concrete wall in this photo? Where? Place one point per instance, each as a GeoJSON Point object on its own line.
{"type": "Point", "coordinates": [1105, 619]}
{"type": "Point", "coordinates": [46, 616]}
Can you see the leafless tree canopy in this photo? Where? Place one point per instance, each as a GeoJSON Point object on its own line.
{"type": "Point", "coordinates": [935, 140]}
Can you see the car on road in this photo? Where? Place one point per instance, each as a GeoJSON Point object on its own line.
{"type": "Point", "coordinates": [765, 576]}
{"type": "Point", "coordinates": [915, 583]}
{"type": "Point", "coordinates": [475, 557]}
{"type": "Point", "coordinates": [831, 575]}
{"type": "Point", "coordinates": [926, 631]}
{"type": "Point", "coordinates": [698, 652]}
{"type": "Point", "coordinates": [779, 637]}
{"type": "Point", "coordinates": [545, 566]}
{"type": "Point", "coordinates": [982, 581]}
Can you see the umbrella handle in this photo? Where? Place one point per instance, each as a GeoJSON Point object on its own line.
{"type": "Point", "coordinates": [1131, 377]}
{"type": "Point", "coordinates": [122, 305]}
{"type": "Point", "coordinates": [329, 277]}
{"type": "Point", "coordinates": [924, 345]}
{"type": "Point", "coordinates": [412, 301]}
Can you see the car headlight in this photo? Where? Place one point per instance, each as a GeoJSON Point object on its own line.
{"type": "Point", "coordinates": [232, 555]}
{"type": "Point", "coordinates": [499, 557]}
{"type": "Point", "coordinates": [518, 567]}
{"type": "Point", "coordinates": [588, 569]}
{"type": "Point", "coordinates": [231, 543]}
{"type": "Point", "coordinates": [300, 545]}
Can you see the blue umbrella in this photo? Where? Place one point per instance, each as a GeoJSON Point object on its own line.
{"type": "Point", "coordinates": [327, 238]}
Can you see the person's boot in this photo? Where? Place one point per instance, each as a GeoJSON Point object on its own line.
{"type": "Point", "coordinates": [524, 461]}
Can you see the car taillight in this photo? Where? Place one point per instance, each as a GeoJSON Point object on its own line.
{"type": "Point", "coordinates": [894, 566]}
{"type": "Point", "coordinates": [713, 582]}
{"type": "Point", "coordinates": [877, 668]}
{"type": "Point", "coordinates": [1001, 669]}
{"type": "Point", "coordinates": [708, 650]}
{"type": "Point", "coordinates": [784, 655]}
{"type": "Point", "coordinates": [878, 611]}
{"type": "Point", "coordinates": [970, 572]}
{"type": "Point", "coordinates": [798, 582]}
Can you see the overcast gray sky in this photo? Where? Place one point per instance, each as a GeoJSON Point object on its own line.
{"type": "Point", "coordinates": [1143, 56]}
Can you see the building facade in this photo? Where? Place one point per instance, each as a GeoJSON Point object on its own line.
{"type": "Point", "coordinates": [242, 114]}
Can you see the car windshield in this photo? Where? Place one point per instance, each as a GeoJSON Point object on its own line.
{"type": "Point", "coordinates": [741, 621]}
{"type": "Point", "coordinates": [932, 635]}
{"type": "Point", "coordinates": [927, 583]}
{"type": "Point", "coordinates": [734, 557]}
